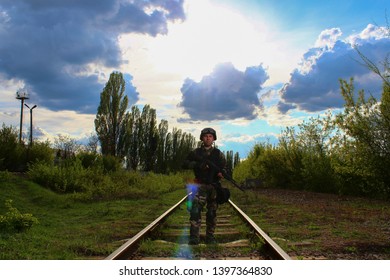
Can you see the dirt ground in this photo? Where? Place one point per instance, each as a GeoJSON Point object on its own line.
{"type": "Point", "coordinates": [326, 226]}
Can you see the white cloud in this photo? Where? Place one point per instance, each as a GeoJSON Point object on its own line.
{"type": "Point", "coordinates": [315, 86]}
{"type": "Point", "coordinates": [274, 117]}
{"type": "Point", "coordinates": [328, 38]}
{"type": "Point", "coordinates": [371, 34]}
{"type": "Point", "coordinates": [246, 138]}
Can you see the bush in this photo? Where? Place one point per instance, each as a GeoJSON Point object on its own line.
{"type": "Point", "coordinates": [90, 160]}
{"type": "Point", "coordinates": [279, 170]}
{"type": "Point", "coordinates": [40, 151]}
{"type": "Point", "coordinates": [252, 167]}
{"type": "Point", "coordinates": [10, 150]}
{"type": "Point", "coordinates": [243, 171]}
{"type": "Point", "coordinates": [97, 184]}
{"type": "Point", "coordinates": [111, 163]}
{"type": "Point", "coordinates": [318, 174]}
{"type": "Point", "coordinates": [128, 185]}
{"type": "Point", "coordinates": [5, 176]}
{"type": "Point", "coordinates": [13, 220]}
{"type": "Point", "coordinates": [157, 184]}
{"type": "Point", "coordinates": [67, 177]}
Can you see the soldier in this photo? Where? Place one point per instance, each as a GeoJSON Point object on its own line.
{"type": "Point", "coordinates": [207, 179]}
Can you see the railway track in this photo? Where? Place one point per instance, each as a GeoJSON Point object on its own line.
{"type": "Point", "coordinates": [167, 238]}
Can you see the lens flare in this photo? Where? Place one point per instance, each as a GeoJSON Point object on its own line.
{"type": "Point", "coordinates": [183, 250]}
{"type": "Point", "coordinates": [192, 189]}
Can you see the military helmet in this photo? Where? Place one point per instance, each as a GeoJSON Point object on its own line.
{"type": "Point", "coordinates": [208, 130]}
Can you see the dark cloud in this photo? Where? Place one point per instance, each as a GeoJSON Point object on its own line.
{"type": "Point", "coordinates": [316, 86]}
{"type": "Point", "coordinates": [50, 44]}
{"type": "Point", "coordinates": [226, 93]}
{"type": "Point", "coordinates": [285, 107]}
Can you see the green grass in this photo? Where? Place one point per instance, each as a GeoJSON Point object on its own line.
{"type": "Point", "coordinates": [72, 229]}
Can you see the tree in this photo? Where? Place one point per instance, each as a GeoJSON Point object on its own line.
{"type": "Point", "coordinates": [92, 145]}
{"type": "Point", "coordinates": [236, 160]}
{"type": "Point", "coordinates": [131, 138]}
{"type": "Point", "coordinates": [229, 161]}
{"type": "Point", "coordinates": [183, 143]}
{"type": "Point", "coordinates": [67, 146]}
{"type": "Point", "coordinates": [168, 151]}
{"type": "Point", "coordinates": [148, 136]}
{"type": "Point", "coordinates": [365, 121]}
{"type": "Point", "coordinates": [110, 117]}
{"type": "Point", "coordinates": [161, 164]}
{"type": "Point", "coordinates": [365, 148]}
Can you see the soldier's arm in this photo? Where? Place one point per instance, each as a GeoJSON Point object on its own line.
{"type": "Point", "coordinates": [191, 161]}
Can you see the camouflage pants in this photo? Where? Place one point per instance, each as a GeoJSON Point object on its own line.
{"type": "Point", "coordinates": [204, 197]}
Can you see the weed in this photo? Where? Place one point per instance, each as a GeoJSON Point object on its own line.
{"type": "Point", "coordinates": [5, 176]}
{"type": "Point", "coordinates": [351, 249]}
{"type": "Point", "coordinates": [13, 220]}
{"type": "Point", "coordinates": [313, 227]}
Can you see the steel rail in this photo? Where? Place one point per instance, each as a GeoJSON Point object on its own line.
{"type": "Point", "coordinates": [277, 252]}
{"type": "Point", "coordinates": [128, 248]}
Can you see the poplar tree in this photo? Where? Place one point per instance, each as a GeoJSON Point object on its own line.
{"type": "Point", "coordinates": [161, 164]}
{"type": "Point", "coordinates": [148, 136]}
{"type": "Point", "coordinates": [131, 139]}
{"type": "Point", "coordinates": [110, 116]}
{"type": "Point", "coordinates": [236, 160]}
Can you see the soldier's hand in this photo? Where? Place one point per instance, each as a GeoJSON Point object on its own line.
{"type": "Point", "coordinates": [220, 175]}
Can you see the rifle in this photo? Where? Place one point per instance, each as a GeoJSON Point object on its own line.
{"type": "Point", "coordinates": [225, 175]}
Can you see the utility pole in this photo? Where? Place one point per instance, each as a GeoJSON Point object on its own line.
{"type": "Point", "coordinates": [31, 126]}
{"type": "Point", "coordinates": [21, 95]}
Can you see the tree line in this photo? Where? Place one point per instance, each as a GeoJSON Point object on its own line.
{"type": "Point", "coordinates": [136, 137]}
{"type": "Point", "coordinates": [130, 137]}
{"type": "Point", "coordinates": [345, 153]}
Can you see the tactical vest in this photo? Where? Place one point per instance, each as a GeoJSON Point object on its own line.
{"type": "Point", "coordinates": [208, 176]}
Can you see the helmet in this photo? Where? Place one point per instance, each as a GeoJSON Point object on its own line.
{"type": "Point", "coordinates": [208, 130]}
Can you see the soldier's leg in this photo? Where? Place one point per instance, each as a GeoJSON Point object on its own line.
{"type": "Point", "coordinates": [211, 215]}
{"type": "Point", "coordinates": [196, 216]}
{"type": "Point", "coordinates": [195, 223]}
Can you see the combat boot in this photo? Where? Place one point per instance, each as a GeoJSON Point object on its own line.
{"type": "Point", "coordinates": [210, 239]}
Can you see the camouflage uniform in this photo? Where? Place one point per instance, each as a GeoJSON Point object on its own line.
{"type": "Point", "coordinates": [205, 195]}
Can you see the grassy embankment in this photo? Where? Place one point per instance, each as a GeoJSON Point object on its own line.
{"type": "Point", "coordinates": [72, 229]}
{"type": "Point", "coordinates": [306, 225]}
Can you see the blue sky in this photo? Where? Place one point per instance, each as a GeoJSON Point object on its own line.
{"type": "Point", "coordinates": [247, 68]}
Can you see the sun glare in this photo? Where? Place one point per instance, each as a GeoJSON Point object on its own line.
{"type": "Point", "coordinates": [209, 36]}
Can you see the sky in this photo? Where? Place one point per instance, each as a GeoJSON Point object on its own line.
{"type": "Point", "coordinates": [247, 68]}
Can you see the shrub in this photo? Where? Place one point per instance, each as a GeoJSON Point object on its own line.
{"type": "Point", "coordinates": [40, 151]}
{"type": "Point", "coordinates": [67, 177]}
{"type": "Point", "coordinates": [90, 160]}
{"type": "Point", "coordinates": [157, 184]}
{"type": "Point", "coordinates": [318, 174]}
{"type": "Point", "coordinates": [97, 184]}
{"type": "Point", "coordinates": [243, 171]}
{"type": "Point", "coordinates": [279, 170]}
{"type": "Point", "coordinates": [111, 163]}
{"type": "Point", "coordinates": [10, 149]}
{"type": "Point", "coordinates": [5, 176]}
{"type": "Point", "coordinates": [13, 220]}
